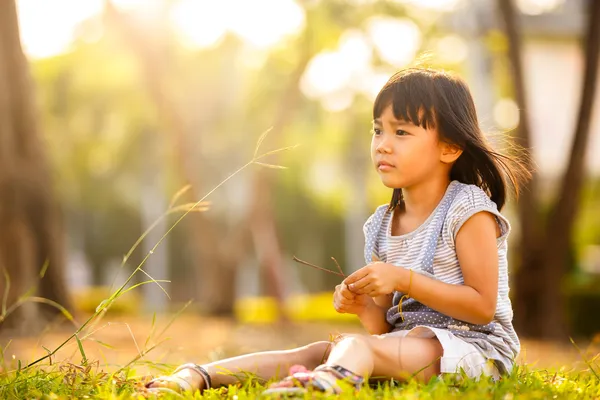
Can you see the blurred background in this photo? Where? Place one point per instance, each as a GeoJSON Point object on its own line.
{"type": "Point", "coordinates": [115, 115]}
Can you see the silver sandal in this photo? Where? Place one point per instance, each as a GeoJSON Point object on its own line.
{"type": "Point", "coordinates": [184, 385]}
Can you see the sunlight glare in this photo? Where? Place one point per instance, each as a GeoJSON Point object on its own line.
{"type": "Point", "coordinates": [263, 23]}
{"type": "Point", "coordinates": [144, 10]}
{"type": "Point", "coordinates": [338, 101]}
{"type": "Point", "coordinates": [325, 73]}
{"type": "Point", "coordinates": [200, 23]}
{"type": "Point", "coordinates": [506, 114]}
{"type": "Point", "coordinates": [204, 23]}
{"type": "Point", "coordinates": [441, 5]}
{"type": "Point", "coordinates": [371, 83]}
{"type": "Point", "coordinates": [331, 76]}
{"type": "Point", "coordinates": [537, 7]}
{"type": "Point", "coordinates": [355, 49]}
{"type": "Point", "coordinates": [129, 5]}
{"type": "Point", "coordinates": [452, 49]}
{"type": "Point", "coordinates": [47, 27]}
{"type": "Point", "coordinates": [324, 177]}
{"type": "Point", "coordinates": [396, 40]}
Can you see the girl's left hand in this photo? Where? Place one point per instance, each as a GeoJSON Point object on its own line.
{"type": "Point", "coordinates": [375, 279]}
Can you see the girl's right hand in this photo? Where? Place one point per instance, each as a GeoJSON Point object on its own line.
{"type": "Point", "coordinates": [346, 302]}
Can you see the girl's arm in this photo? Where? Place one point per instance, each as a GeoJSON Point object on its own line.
{"type": "Point", "coordinates": [477, 253]}
{"type": "Point", "coordinates": [473, 302]}
{"type": "Point", "coordinates": [373, 319]}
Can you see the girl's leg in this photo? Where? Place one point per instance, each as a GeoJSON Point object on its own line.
{"type": "Point", "coordinates": [266, 365]}
{"type": "Point", "coordinates": [391, 357]}
{"type": "Point", "coordinates": [358, 357]}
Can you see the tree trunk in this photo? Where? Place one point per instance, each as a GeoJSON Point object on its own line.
{"type": "Point", "coordinates": [262, 220]}
{"type": "Point", "coordinates": [545, 242]}
{"type": "Point", "coordinates": [527, 300]}
{"type": "Point", "coordinates": [562, 215]}
{"type": "Point", "coordinates": [32, 232]}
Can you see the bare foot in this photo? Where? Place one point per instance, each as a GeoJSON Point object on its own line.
{"type": "Point", "coordinates": [183, 380]}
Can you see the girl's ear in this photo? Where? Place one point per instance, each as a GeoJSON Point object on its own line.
{"type": "Point", "coordinates": [450, 153]}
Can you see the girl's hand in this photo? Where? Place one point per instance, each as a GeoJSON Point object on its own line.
{"type": "Point", "coordinates": [346, 302]}
{"type": "Point", "coordinates": [376, 279]}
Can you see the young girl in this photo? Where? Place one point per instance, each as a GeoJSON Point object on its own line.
{"type": "Point", "coordinates": [434, 294]}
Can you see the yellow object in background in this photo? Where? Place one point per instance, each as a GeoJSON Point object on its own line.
{"type": "Point", "coordinates": [305, 307]}
{"type": "Point", "coordinates": [86, 300]}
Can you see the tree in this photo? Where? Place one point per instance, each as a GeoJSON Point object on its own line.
{"type": "Point", "coordinates": [31, 235]}
{"type": "Point", "coordinates": [546, 240]}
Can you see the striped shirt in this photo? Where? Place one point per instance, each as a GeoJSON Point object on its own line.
{"type": "Point", "coordinates": [430, 250]}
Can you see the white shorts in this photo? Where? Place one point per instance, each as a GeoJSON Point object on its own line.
{"type": "Point", "coordinates": [457, 353]}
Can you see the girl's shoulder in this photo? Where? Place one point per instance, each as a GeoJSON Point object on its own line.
{"type": "Point", "coordinates": [375, 219]}
{"type": "Point", "coordinates": [470, 196]}
{"type": "Point", "coordinates": [468, 201]}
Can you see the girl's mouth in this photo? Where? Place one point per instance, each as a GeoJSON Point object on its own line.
{"type": "Point", "coordinates": [384, 166]}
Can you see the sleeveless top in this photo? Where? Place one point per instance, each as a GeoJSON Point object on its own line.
{"type": "Point", "coordinates": [430, 250]}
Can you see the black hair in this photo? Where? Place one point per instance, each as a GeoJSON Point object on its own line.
{"type": "Point", "coordinates": [436, 99]}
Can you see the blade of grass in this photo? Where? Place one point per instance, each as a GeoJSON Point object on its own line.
{"type": "Point", "coordinates": [272, 166]}
{"type": "Point", "coordinates": [260, 140]}
{"type": "Point", "coordinates": [6, 291]}
{"type": "Point", "coordinates": [2, 359]}
{"type": "Point", "coordinates": [589, 364]}
{"type": "Point", "coordinates": [179, 193]}
{"type": "Point", "coordinates": [44, 268]}
{"type": "Point", "coordinates": [276, 151]}
{"type": "Point", "coordinates": [177, 314]}
{"type": "Point", "coordinates": [133, 338]}
{"type": "Point", "coordinates": [140, 355]}
{"type": "Point", "coordinates": [191, 207]}
{"type": "Point", "coordinates": [147, 231]}
{"type": "Point", "coordinates": [87, 335]}
{"type": "Point", "coordinates": [42, 300]}
{"type": "Point", "coordinates": [84, 360]}
{"type": "Point", "coordinates": [108, 346]}
{"type": "Point", "coordinates": [142, 283]}
{"type": "Point", "coordinates": [48, 351]}
{"type": "Point", "coordinates": [157, 282]}
{"type": "Point", "coordinates": [54, 304]}
{"type": "Point", "coordinates": [152, 327]}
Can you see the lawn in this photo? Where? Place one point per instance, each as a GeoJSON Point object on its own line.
{"type": "Point", "coordinates": [111, 363]}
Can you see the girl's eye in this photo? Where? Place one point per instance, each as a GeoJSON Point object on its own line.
{"type": "Point", "coordinates": [376, 131]}
{"type": "Point", "coordinates": [400, 132]}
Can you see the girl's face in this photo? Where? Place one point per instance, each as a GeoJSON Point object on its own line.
{"type": "Point", "coordinates": [405, 154]}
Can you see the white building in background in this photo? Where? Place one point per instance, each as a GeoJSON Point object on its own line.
{"type": "Point", "coordinates": [553, 63]}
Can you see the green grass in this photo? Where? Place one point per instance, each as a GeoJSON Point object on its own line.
{"type": "Point", "coordinates": [70, 381]}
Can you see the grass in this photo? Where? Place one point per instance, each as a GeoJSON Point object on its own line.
{"type": "Point", "coordinates": [44, 378]}
{"type": "Point", "coordinates": [70, 381]}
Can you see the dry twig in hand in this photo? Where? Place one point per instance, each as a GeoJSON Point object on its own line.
{"type": "Point", "coordinates": [338, 266]}
{"type": "Point", "coordinates": [322, 269]}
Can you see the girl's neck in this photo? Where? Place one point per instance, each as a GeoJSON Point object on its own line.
{"type": "Point", "coordinates": [420, 200]}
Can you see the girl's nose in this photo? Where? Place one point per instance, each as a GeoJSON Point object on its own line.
{"type": "Point", "coordinates": [384, 145]}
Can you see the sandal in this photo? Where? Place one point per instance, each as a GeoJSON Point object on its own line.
{"type": "Point", "coordinates": [184, 385]}
{"type": "Point", "coordinates": [324, 378]}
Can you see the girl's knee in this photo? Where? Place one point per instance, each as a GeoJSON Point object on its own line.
{"type": "Point", "coordinates": [354, 340]}
{"type": "Point", "coordinates": [319, 351]}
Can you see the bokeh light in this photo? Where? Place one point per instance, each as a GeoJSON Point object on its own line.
{"type": "Point", "coordinates": [536, 7]}
{"type": "Point", "coordinates": [203, 23]}
{"type": "Point", "coordinates": [47, 27]}
{"type": "Point", "coordinates": [452, 49]}
{"type": "Point", "coordinates": [396, 40]}
{"type": "Point", "coordinates": [506, 114]}
{"type": "Point", "coordinates": [331, 75]}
